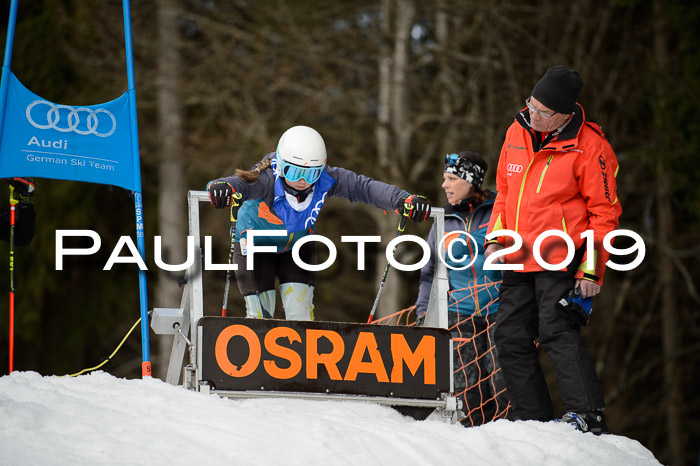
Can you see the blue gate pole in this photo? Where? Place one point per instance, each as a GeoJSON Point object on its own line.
{"type": "Point", "coordinates": [6, 61]}
{"type": "Point", "coordinates": [138, 199]}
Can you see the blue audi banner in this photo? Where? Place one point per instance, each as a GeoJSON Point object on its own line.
{"type": "Point", "coordinates": [47, 140]}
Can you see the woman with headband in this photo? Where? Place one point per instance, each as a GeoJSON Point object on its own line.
{"type": "Point", "coordinates": [473, 291]}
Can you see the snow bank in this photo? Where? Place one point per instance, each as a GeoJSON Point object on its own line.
{"type": "Point", "coordinates": [98, 419]}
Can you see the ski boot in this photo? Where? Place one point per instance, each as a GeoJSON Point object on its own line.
{"type": "Point", "coordinates": [589, 421]}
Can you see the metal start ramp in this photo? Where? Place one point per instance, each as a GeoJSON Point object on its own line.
{"type": "Point", "coordinates": [239, 357]}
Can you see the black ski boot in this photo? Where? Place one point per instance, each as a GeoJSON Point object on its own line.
{"type": "Point", "coordinates": [589, 421]}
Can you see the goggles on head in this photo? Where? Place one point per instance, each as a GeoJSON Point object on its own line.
{"type": "Point", "coordinates": [451, 159]}
{"type": "Point", "coordinates": [294, 173]}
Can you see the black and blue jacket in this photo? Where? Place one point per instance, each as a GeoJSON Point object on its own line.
{"type": "Point", "coordinates": [266, 205]}
{"type": "Point", "coordinates": [473, 290]}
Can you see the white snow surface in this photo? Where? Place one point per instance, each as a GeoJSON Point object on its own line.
{"type": "Point", "coordinates": [98, 419]}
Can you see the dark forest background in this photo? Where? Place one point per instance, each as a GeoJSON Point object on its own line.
{"type": "Point", "coordinates": [392, 85]}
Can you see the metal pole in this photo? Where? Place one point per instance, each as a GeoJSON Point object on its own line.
{"type": "Point", "coordinates": [405, 213]}
{"type": "Point", "coordinates": [235, 204]}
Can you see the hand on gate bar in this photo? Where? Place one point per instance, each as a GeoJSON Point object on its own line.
{"type": "Point", "coordinates": [220, 193]}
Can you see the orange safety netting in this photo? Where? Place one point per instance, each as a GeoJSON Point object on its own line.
{"type": "Point", "coordinates": [478, 379]}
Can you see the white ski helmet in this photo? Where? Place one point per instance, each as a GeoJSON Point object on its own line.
{"type": "Point", "coordinates": [302, 146]}
{"type": "Point", "coordinates": [301, 153]}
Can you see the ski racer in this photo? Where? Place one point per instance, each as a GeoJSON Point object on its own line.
{"type": "Point", "coordinates": [285, 192]}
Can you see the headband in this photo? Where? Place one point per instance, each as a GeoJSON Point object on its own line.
{"type": "Point", "coordinates": [465, 169]}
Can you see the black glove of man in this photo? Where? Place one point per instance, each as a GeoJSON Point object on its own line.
{"type": "Point", "coordinates": [421, 207]}
{"type": "Point", "coordinates": [220, 193]}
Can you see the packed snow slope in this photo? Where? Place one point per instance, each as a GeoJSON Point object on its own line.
{"type": "Point", "coordinates": [98, 419]}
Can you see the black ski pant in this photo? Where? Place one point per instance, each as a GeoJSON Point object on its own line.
{"type": "Point", "coordinates": [268, 266]}
{"type": "Point", "coordinates": [478, 380]}
{"type": "Point", "coordinates": [527, 311]}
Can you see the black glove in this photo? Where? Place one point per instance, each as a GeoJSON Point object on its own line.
{"type": "Point", "coordinates": [23, 189]}
{"type": "Point", "coordinates": [420, 320]}
{"type": "Point", "coordinates": [220, 193]}
{"type": "Point", "coordinates": [418, 206]}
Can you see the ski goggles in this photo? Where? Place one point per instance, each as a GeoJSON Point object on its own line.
{"type": "Point", "coordinates": [451, 159]}
{"type": "Point", "coordinates": [294, 173]}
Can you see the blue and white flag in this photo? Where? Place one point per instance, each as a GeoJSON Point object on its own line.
{"type": "Point", "coordinates": [96, 144]}
{"type": "Point", "coordinates": [43, 139]}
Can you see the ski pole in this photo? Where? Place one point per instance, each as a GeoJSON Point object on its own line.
{"type": "Point", "coordinates": [13, 204]}
{"type": "Point", "coordinates": [234, 214]}
{"type": "Point", "coordinates": [407, 208]}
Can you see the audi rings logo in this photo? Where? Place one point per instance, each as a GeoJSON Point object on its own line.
{"type": "Point", "coordinates": [66, 119]}
{"type": "Point", "coordinates": [314, 212]}
{"type": "Point", "coordinates": [514, 167]}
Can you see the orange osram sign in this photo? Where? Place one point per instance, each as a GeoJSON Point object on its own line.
{"type": "Point", "coordinates": [251, 354]}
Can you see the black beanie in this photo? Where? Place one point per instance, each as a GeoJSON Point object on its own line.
{"type": "Point", "coordinates": [558, 89]}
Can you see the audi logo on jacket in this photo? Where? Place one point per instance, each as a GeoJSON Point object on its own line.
{"type": "Point", "coordinates": [566, 183]}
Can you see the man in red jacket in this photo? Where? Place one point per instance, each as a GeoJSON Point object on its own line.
{"type": "Point", "coordinates": [556, 174]}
